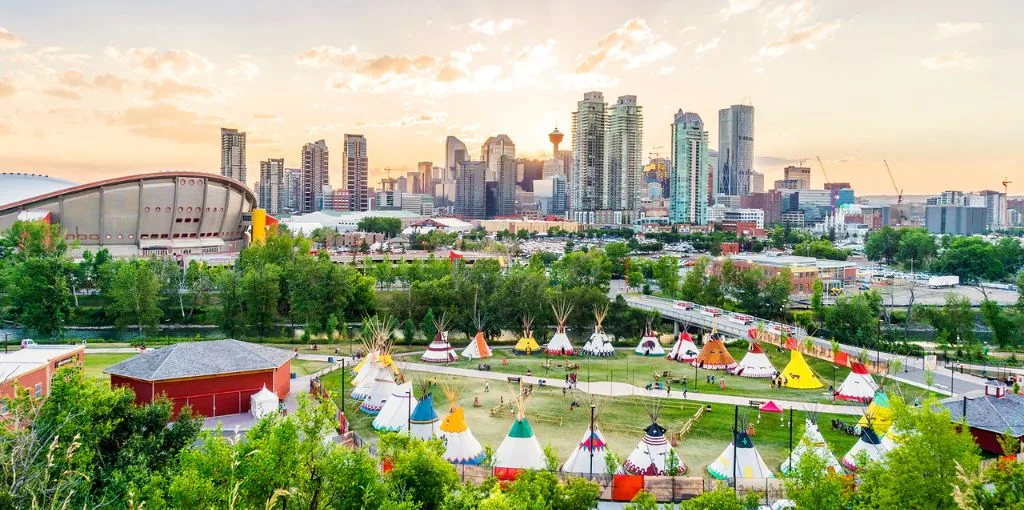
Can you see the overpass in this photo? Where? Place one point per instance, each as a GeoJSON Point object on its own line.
{"type": "Point", "coordinates": [912, 372]}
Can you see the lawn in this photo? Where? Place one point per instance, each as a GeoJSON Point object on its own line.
{"type": "Point", "coordinates": [96, 363]}
{"type": "Point", "coordinates": [628, 367]}
{"type": "Point", "coordinates": [622, 420]}
{"type": "Point", "coordinates": [307, 367]}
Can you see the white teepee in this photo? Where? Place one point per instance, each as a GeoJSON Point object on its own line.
{"type": "Point", "coordinates": [812, 442]}
{"type": "Point", "coordinates": [394, 416]}
{"type": "Point", "coordinates": [749, 463]}
{"type": "Point", "coordinates": [425, 424]}
{"type": "Point", "coordinates": [869, 443]}
{"type": "Point", "coordinates": [684, 350]}
{"type": "Point", "coordinates": [858, 385]}
{"type": "Point", "coordinates": [559, 344]}
{"type": "Point", "coordinates": [440, 350]}
{"type": "Point", "coordinates": [599, 344]}
{"type": "Point", "coordinates": [649, 344]}
{"type": "Point", "coordinates": [460, 446]}
{"type": "Point", "coordinates": [380, 391]}
{"type": "Point", "coordinates": [755, 363]}
{"type": "Point", "coordinates": [520, 448]}
{"type": "Point", "coordinates": [651, 454]}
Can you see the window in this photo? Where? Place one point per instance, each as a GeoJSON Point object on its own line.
{"type": "Point", "coordinates": [39, 390]}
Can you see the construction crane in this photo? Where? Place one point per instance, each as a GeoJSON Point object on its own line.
{"type": "Point", "coordinates": [831, 192]}
{"type": "Point", "coordinates": [1006, 186]}
{"type": "Point", "coordinates": [899, 195]}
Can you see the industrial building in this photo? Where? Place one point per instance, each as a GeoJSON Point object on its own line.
{"type": "Point", "coordinates": [32, 368]}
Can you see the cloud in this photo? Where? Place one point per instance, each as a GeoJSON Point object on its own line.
{"type": "Point", "coordinates": [244, 69]}
{"type": "Point", "coordinates": [7, 88]}
{"type": "Point", "coordinates": [172, 64]}
{"type": "Point", "coordinates": [110, 82]}
{"type": "Point", "coordinates": [634, 43]}
{"type": "Point", "coordinates": [166, 122]}
{"type": "Point", "coordinates": [688, 28]}
{"type": "Point", "coordinates": [5, 129]}
{"type": "Point", "coordinates": [666, 69]}
{"type": "Point", "coordinates": [703, 48]}
{"type": "Point", "coordinates": [947, 29]}
{"type": "Point", "coordinates": [170, 89]}
{"type": "Point", "coordinates": [492, 26]}
{"type": "Point", "coordinates": [784, 16]}
{"type": "Point", "coordinates": [265, 116]}
{"type": "Point", "coordinates": [9, 41]}
{"type": "Point", "coordinates": [955, 60]}
{"type": "Point", "coordinates": [63, 93]}
{"type": "Point", "coordinates": [807, 37]}
{"type": "Point", "coordinates": [72, 79]}
{"type": "Point", "coordinates": [411, 120]}
{"type": "Point", "coordinates": [739, 7]}
{"type": "Point", "coordinates": [590, 81]}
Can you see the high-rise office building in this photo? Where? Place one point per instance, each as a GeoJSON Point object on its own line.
{"type": "Point", "coordinates": [470, 194]}
{"type": "Point", "coordinates": [293, 189]}
{"type": "Point", "coordinates": [801, 174]}
{"type": "Point", "coordinates": [735, 150]}
{"type": "Point", "coordinates": [232, 154]}
{"type": "Point", "coordinates": [455, 151]}
{"type": "Point", "coordinates": [506, 186]}
{"type": "Point", "coordinates": [587, 182]}
{"type": "Point", "coordinates": [566, 159]}
{"type": "Point", "coordinates": [424, 169]}
{"type": "Point", "coordinates": [272, 185]}
{"type": "Point", "coordinates": [623, 155]}
{"type": "Point", "coordinates": [688, 202]}
{"type": "Point", "coordinates": [357, 172]}
{"type": "Point", "coordinates": [756, 182]}
{"type": "Point", "coordinates": [315, 175]}
{"type": "Point", "coordinates": [491, 152]}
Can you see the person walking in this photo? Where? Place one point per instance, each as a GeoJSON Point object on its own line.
{"type": "Point", "coordinates": [487, 386]}
{"type": "Point", "coordinates": [668, 390]}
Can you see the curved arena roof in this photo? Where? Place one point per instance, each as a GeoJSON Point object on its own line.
{"type": "Point", "coordinates": [19, 186]}
{"type": "Point", "coordinates": [158, 213]}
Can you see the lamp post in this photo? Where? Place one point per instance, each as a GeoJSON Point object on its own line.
{"type": "Point", "coordinates": [590, 440]}
{"type": "Point", "coordinates": [735, 424]}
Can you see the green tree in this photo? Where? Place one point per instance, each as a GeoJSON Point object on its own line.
{"type": "Point", "coordinates": [854, 318]}
{"type": "Point", "coordinates": [617, 253]}
{"type": "Point", "coordinates": [133, 296]}
{"type": "Point", "coordinates": [953, 322]}
{"type": "Point", "coordinates": [39, 294]}
{"type": "Point", "coordinates": [666, 273]}
{"type": "Point", "coordinates": [812, 485]}
{"type": "Point", "coordinates": [635, 277]}
{"type": "Point", "coordinates": [390, 227]}
{"type": "Point", "coordinates": [822, 249]}
{"type": "Point", "coordinates": [817, 301]}
{"type": "Point", "coordinates": [972, 259]}
{"type": "Point", "coordinates": [916, 248]}
{"type": "Point", "coordinates": [260, 289]}
{"type": "Point", "coordinates": [1005, 329]}
{"type": "Point", "coordinates": [722, 498]}
{"type": "Point", "coordinates": [642, 501]}
{"type": "Point", "coordinates": [418, 469]}
{"type": "Point", "coordinates": [229, 314]}
{"type": "Point", "coordinates": [882, 244]}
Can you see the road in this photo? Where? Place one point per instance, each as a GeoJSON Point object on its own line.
{"type": "Point", "coordinates": [945, 380]}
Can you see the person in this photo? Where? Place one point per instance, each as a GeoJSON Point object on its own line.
{"type": "Point", "coordinates": [668, 390]}
{"type": "Point", "coordinates": [723, 383]}
{"type": "Point", "coordinates": [684, 392]}
{"type": "Point", "coordinates": [487, 386]}
{"type": "Point", "coordinates": [648, 387]}
{"type": "Point", "coordinates": [684, 381]}
{"type": "Point", "coordinates": [529, 372]}
{"type": "Point", "coordinates": [707, 379]}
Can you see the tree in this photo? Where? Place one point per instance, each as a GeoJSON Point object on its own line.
{"type": "Point", "coordinates": [635, 277]}
{"type": "Point", "coordinates": [916, 248]}
{"type": "Point", "coordinates": [1005, 329]}
{"type": "Point", "coordinates": [666, 273]}
{"type": "Point", "coordinates": [390, 227]}
{"type": "Point", "coordinates": [817, 301]}
{"type": "Point", "coordinates": [39, 294]}
{"type": "Point", "coordinates": [954, 322]}
{"type": "Point", "coordinates": [331, 327]}
{"type": "Point", "coordinates": [854, 318]}
{"type": "Point", "coordinates": [882, 244]}
{"type": "Point", "coordinates": [642, 501]}
{"type": "Point", "coordinates": [200, 282]}
{"type": "Point", "coordinates": [809, 488]}
{"type": "Point", "coordinates": [133, 296]}
{"type": "Point", "coordinates": [972, 259]}
{"type": "Point", "coordinates": [229, 315]}
{"type": "Point", "coordinates": [722, 498]}
{"type": "Point", "coordinates": [617, 253]}
{"type": "Point", "coordinates": [822, 249]}
{"type": "Point", "coordinates": [418, 469]}
{"type": "Point", "coordinates": [260, 289]}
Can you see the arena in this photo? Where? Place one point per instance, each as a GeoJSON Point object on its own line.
{"type": "Point", "coordinates": [164, 213]}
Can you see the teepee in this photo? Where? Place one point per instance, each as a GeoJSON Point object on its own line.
{"type": "Point", "coordinates": [714, 355]}
{"type": "Point", "coordinates": [858, 386]}
{"type": "Point", "coordinates": [520, 448]}
{"type": "Point", "coordinates": [749, 463]}
{"type": "Point", "coordinates": [599, 344]}
{"type": "Point", "coordinates": [755, 363]}
{"type": "Point", "coordinates": [424, 422]}
{"type": "Point", "coordinates": [798, 373]}
{"type": "Point", "coordinates": [651, 453]}
{"type": "Point", "coordinates": [868, 442]}
{"type": "Point", "coordinates": [684, 350]}
{"type": "Point", "coordinates": [812, 442]}
{"type": "Point", "coordinates": [559, 344]}
{"type": "Point", "coordinates": [380, 391]}
{"type": "Point", "coordinates": [477, 347]}
{"type": "Point", "coordinates": [378, 343]}
{"type": "Point", "coordinates": [527, 344]}
{"type": "Point", "coordinates": [878, 413]}
{"type": "Point", "coordinates": [649, 344]}
{"type": "Point", "coordinates": [394, 415]}
{"type": "Point", "coordinates": [589, 455]}
{"type": "Point", "coordinates": [460, 447]}
{"type": "Point", "coordinates": [440, 351]}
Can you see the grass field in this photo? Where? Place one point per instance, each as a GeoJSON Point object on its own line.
{"type": "Point", "coordinates": [622, 421]}
{"type": "Point", "coordinates": [95, 363]}
{"type": "Point", "coordinates": [628, 367]}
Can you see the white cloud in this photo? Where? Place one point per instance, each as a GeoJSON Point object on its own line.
{"type": "Point", "coordinates": [784, 16]}
{"type": "Point", "coordinates": [807, 38]}
{"type": "Point", "coordinates": [492, 26]}
{"type": "Point", "coordinates": [955, 60]}
{"type": "Point", "coordinates": [590, 80]}
{"type": "Point", "coordinates": [171, 64]}
{"type": "Point", "coordinates": [948, 29]}
{"type": "Point", "coordinates": [634, 43]}
{"type": "Point", "coordinates": [739, 7]}
{"type": "Point", "coordinates": [666, 69]}
{"type": "Point", "coordinates": [411, 120]}
{"type": "Point", "coordinates": [244, 69]}
{"type": "Point", "coordinates": [688, 28]}
{"type": "Point", "coordinates": [705, 47]}
{"type": "Point", "coordinates": [7, 89]}
{"type": "Point", "coordinates": [9, 41]}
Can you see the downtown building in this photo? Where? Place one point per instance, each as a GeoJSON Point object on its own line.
{"type": "Point", "coordinates": [357, 172]}
{"type": "Point", "coordinates": [470, 190]}
{"type": "Point", "coordinates": [232, 154]}
{"type": "Point", "coordinates": [491, 152]}
{"type": "Point", "coordinates": [315, 176]}
{"type": "Point", "coordinates": [272, 186]}
{"type": "Point", "coordinates": [688, 200]}
{"type": "Point", "coordinates": [735, 150]}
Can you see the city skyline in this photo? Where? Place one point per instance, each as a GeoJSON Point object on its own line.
{"type": "Point", "coordinates": [150, 87]}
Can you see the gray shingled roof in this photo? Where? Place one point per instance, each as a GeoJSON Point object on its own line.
{"type": "Point", "coordinates": [990, 413]}
{"type": "Point", "coordinates": [196, 359]}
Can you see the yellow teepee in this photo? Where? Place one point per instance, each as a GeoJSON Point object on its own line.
{"type": "Point", "coordinates": [527, 344]}
{"type": "Point", "coordinates": [879, 413]}
{"type": "Point", "coordinates": [798, 374]}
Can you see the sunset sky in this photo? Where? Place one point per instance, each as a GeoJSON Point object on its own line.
{"type": "Point", "coordinates": [95, 89]}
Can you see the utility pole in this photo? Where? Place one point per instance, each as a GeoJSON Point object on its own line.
{"type": "Point", "coordinates": [735, 433]}
{"type": "Point", "coordinates": [590, 440]}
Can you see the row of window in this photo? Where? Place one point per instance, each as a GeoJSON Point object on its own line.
{"type": "Point", "coordinates": [182, 209]}
{"type": "Point", "coordinates": [189, 235]}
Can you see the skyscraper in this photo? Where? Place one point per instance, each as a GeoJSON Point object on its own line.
{"type": "Point", "coordinates": [356, 172]}
{"type": "Point", "coordinates": [801, 174]}
{"type": "Point", "coordinates": [424, 168]}
{"type": "Point", "coordinates": [587, 183]}
{"type": "Point", "coordinates": [293, 189]}
{"type": "Point", "coordinates": [623, 155]}
{"type": "Point", "coordinates": [688, 179]}
{"type": "Point", "coordinates": [470, 195]}
{"type": "Point", "coordinates": [491, 152]}
{"type": "Point", "coordinates": [315, 175]}
{"type": "Point", "coordinates": [506, 186]}
{"type": "Point", "coordinates": [272, 185]}
{"type": "Point", "coordinates": [232, 154]}
{"type": "Point", "coordinates": [735, 149]}
{"type": "Point", "coordinates": [756, 182]}
{"type": "Point", "coordinates": [455, 151]}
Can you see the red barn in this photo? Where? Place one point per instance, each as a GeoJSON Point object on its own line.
{"type": "Point", "coordinates": [33, 367]}
{"type": "Point", "coordinates": [990, 415]}
{"type": "Point", "coordinates": [216, 377]}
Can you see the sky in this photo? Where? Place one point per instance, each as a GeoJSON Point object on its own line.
{"type": "Point", "coordinates": [91, 90]}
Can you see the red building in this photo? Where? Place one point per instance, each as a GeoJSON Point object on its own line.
{"type": "Point", "coordinates": [990, 415]}
{"type": "Point", "coordinates": [32, 368]}
{"type": "Point", "coordinates": [769, 201]}
{"type": "Point", "coordinates": [215, 377]}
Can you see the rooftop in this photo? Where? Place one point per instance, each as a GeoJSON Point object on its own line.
{"type": "Point", "coordinates": [15, 363]}
{"type": "Point", "coordinates": [198, 359]}
{"type": "Point", "coordinates": [987, 412]}
{"type": "Point", "coordinates": [779, 259]}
